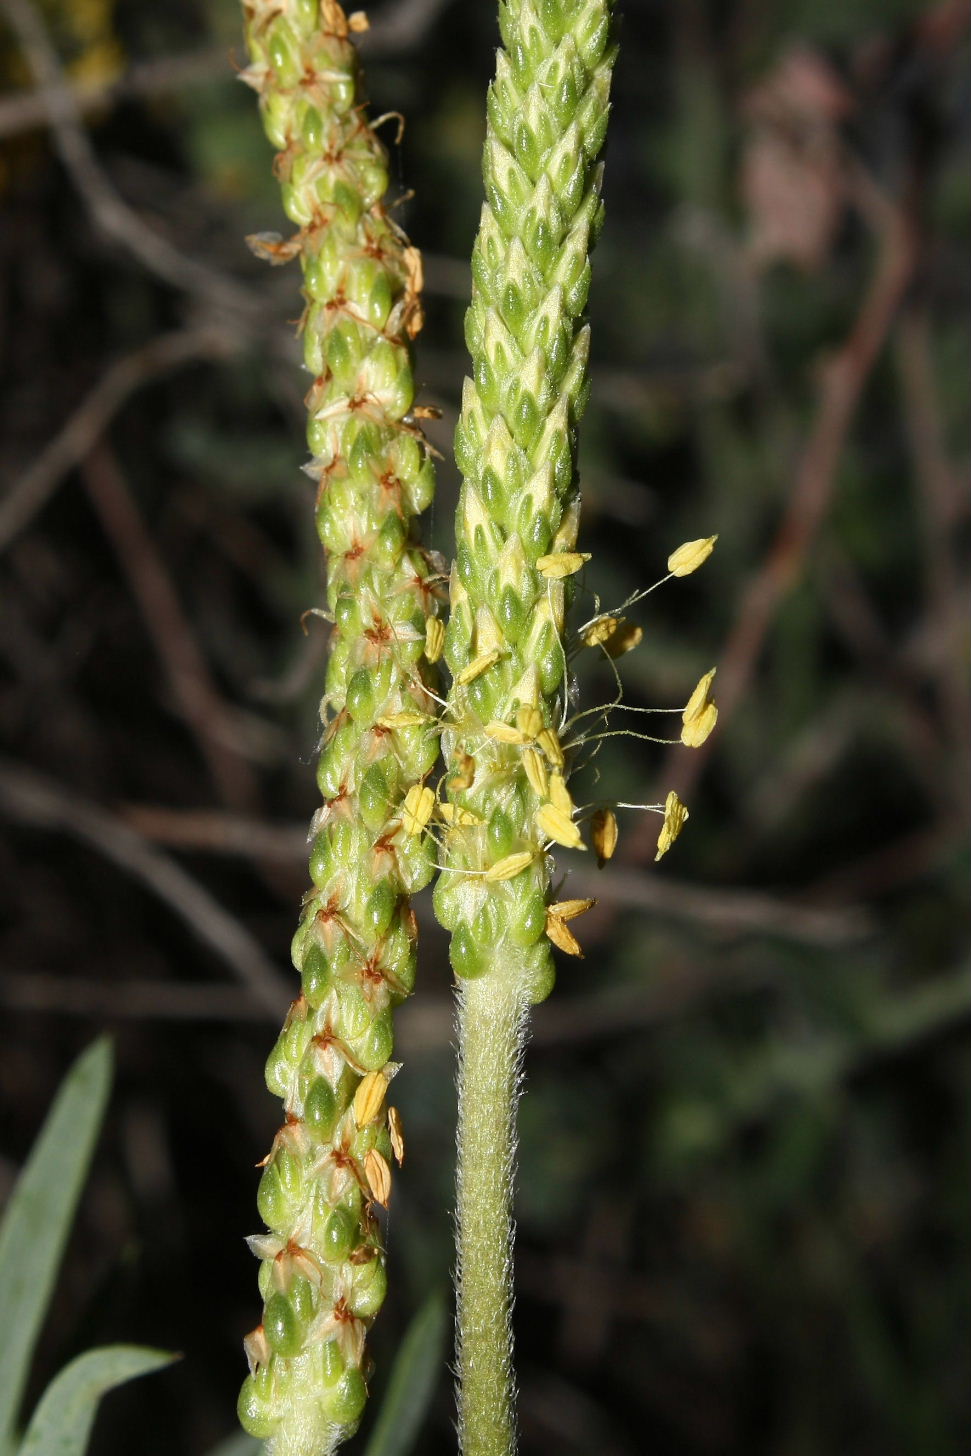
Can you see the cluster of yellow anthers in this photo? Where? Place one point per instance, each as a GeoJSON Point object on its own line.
{"type": "Point", "coordinates": [544, 757]}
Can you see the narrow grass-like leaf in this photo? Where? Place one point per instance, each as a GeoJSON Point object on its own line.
{"type": "Point", "coordinates": [62, 1422]}
{"type": "Point", "coordinates": [39, 1215]}
{"type": "Point", "coordinates": [412, 1382]}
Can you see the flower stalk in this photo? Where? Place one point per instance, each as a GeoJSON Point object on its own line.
{"type": "Point", "coordinates": [322, 1272]}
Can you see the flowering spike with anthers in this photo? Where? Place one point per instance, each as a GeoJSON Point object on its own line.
{"type": "Point", "coordinates": [515, 573]}
{"type": "Point", "coordinates": [355, 946]}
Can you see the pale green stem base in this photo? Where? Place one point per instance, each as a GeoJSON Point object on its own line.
{"type": "Point", "coordinates": [492, 1012]}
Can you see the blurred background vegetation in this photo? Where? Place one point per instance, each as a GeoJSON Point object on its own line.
{"type": "Point", "coordinates": [744, 1186]}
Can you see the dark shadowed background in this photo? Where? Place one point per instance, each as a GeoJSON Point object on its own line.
{"type": "Point", "coordinates": [744, 1188]}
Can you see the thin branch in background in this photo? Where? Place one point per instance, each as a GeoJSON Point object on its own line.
{"type": "Point", "coordinates": [85, 426]}
{"type": "Point", "coordinates": [109, 211]}
{"type": "Point", "coordinates": [189, 678]}
{"type": "Point", "coordinates": [26, 110]}
{"type": "Point", "coordinates": [39, 802]}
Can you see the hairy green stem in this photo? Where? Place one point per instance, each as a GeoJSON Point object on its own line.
{"type": "Point", "coordinates": [491, 1024]}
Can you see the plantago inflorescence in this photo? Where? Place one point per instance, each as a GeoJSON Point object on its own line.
{"type": "Point", "coordinates": [515, 563]}
{"type": "Point", "coordinates": [323, 1267]}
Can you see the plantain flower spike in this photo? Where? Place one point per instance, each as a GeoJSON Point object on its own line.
{"type": "Point", "coordinates": [322, 1274]}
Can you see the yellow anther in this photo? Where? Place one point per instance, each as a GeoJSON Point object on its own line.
{"type": "Point", "coordinates": [357, 22]}
{"type": "Point", "coordinates": [434, 638]}
{"type": "Point", "coordinates": [561, 563]}
{"type": "Point", "coordinates": [558, 933]}
{"type": "Point", "coordinates": [700, 698]}
{"type": "Point", "coordinates": [624, 639]}
{"type": "Point", "coordinates": [403, 720]}
{"type": "Point", "coordinates": [560, 795]}
{"type": "Point", "coordinates": [505, 733]}
{"type": "Point", "coordinates": [397, 1134]}
{"type": "Point", "coordinates": [696, 729]}
{"type": "Point", "coordinates": [691, 555]}
{"type": "Point", "coordinates": [477, 667]}
{"type": "Point", "coordinates": [600, 630]}
{"type": "Point", "coordinates": [614, 634]}
{"type": "Point", "coordinates": [508, 868]}
{"type": "Point", "coordinates": [378, 1175]}
{"type": "Point", "coordinates": [549, 742]}
{"type": "Point", "coordinates": [558, 826]}
{"type": "Point", "coordinates": [570, 909]}
{"type": "Point", "coordinates": [369, 1097]}
{"type": "Point", "coordinates": [536, 773]}
{"type": "Point", "coordinates": [675, 815]}
{"type": "Point", "coordinates": [455, 816]}
{"type": "Point", "coordinates": [529, 721]}
{"type": "Point", "coordinates": [603, 832]}
{"type": "Point", "coordinates": [417, 809]}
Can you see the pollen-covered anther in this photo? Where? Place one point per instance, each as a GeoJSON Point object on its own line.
{"type": "Point", "coordinates": [369, 1097]}
{"type": "Point", "coordinates": [549, 741]}
{"type": "Point", "coordinates": [697, 729]}
{"type": "Point", "coordinates": [417, 809]}
{"type": "Point", "coordinates": [570, 909]}
{"type": "Point", "coordinates": [559, 795]}
{"type": "Point", "coordinates": [529, 721]}
{"type": "Point", "coordinates": [536, 774]}
{"type": "Point", "coordinates": [434, 638]}
{"type": "Point", "coordinates": [459, 818]}
{"type": "Point", "coordinates": [624, 638]}
{"type": "Point", "coordinates": [477, 667]}
{"type": "Point", "coordinates": [378, 1175]}
{"type": "Point", "coordinates": [509, 867]}
{"type": "Point", "coordinates": [603, 833]}
{"type": "Point", "coordinates": [675, 815]}
{"type": "Point", "coordinates": [691, 555]}
{"type": "Point", "coordinates": [505, 733]}
{"type": "Point", "coordinates": [397, 1135]}
{"type": "Point", "coordinates": [561, 564]}
{"type": "Point", "coordinates": [558, 826]}
{"type": "Point", "coordinates": [700, 714]}
{"type": "Point", "coordinates": [562, 936]}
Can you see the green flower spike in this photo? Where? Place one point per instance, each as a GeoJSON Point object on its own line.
{"type": "Point", "coordinates": [515, 564]}
{"type": "Point", "coordinates": [323, 1265]}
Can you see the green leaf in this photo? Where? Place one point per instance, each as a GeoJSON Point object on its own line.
{"type": "Point", "coordinates": [39, 1215]}
{"type": "Point", "coordinates": [62, 1422]}
{"type": "Point", "coordinates": [412, 1383]}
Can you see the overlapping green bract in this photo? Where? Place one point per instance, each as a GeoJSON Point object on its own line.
{"type": "Point", "coordinates": [515, 446]}
{"type": "Point", "coordinates": [323, 1274]}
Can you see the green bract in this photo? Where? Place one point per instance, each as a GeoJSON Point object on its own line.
{"type": "Point", "coordinates": [322, 1275]}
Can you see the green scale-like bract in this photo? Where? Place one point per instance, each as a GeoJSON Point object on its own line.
{"type": "Point", "coordinates": [323, 1270]}
{"type": "Point", "coordinates": [515, 445]}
